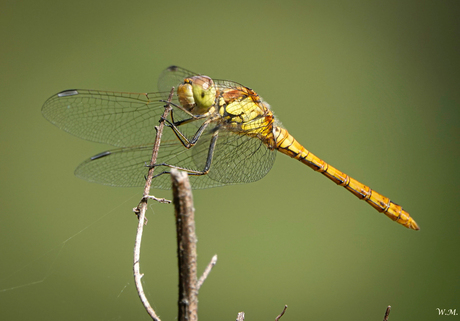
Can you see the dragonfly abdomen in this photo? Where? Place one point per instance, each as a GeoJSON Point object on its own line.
{"type": "Point", "coordinates": [288, 145]}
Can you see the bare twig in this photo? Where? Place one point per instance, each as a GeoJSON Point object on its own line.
{"type": "Point", "coordinates": [281, 314]}
{"type": "Point", "coordinates": [157, 199]}
{"type": "Point", "coordinates": [156, 149]}
{"type": "Point", "coordinates": [140, 212]}
{"type": "Point", "coordinates": [387, 313]}
{"type": "Point", "coordinates": [240, 316]}
{"type": "Point", "coordinates": [186, 246]}
{"type": "Point", "coordinates": [206, 272]}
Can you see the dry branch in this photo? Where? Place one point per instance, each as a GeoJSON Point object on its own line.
{"type": "Point", "coordinates": [140, 212]}
{"type": "Point", "coordinates": [186, 246]}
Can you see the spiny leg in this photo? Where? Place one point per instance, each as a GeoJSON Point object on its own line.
{"type": "Point", "coordinates": [188, 143]}
{"type": "Point", "coordinates": [207, 165]}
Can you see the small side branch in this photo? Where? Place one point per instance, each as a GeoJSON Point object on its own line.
{"type": "Point", "coordinates": [281, 314]}
{"type": "Point", "coordinates": [186, 246]}
{"type": "Point", "coordinates": [207, 271]}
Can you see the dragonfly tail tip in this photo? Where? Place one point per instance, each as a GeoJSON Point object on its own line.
{"type": "Point", "coordinates": [413, 226]}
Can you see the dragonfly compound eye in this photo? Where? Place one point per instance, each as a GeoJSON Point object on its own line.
{"type": "Point", "coordinates": [185, 95]}
{"type": "Point", "coordinates": [204, 91]}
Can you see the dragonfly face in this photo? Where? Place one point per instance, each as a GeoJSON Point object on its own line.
{"type": "Point", "coordinates": [197, 94]}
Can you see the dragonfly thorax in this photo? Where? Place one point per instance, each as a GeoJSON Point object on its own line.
{"type": "Point", "coordinates": [197, 94]}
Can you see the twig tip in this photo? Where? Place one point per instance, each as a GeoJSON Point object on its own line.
{"type": "Point", "coordinates": [282, 313]}
{"type": "Point", "coordinates": [387, 313]}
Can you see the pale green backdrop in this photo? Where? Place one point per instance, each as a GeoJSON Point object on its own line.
{"type": "Point", "coordinates": [372, 87]}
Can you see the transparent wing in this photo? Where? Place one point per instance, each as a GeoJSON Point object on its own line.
{"type": "Point", "coordinates": [228, 84]}
{"type": "Point", "coordinates": [237, 159]}
{"type": "Point", "coordinates": [119, 167]}
{"type": "Point", "coordinates": [127, 167]}
{"type": "Point", "coordinates": [116, 118]}
{"type": "Point", "coordinates": [173, 76]}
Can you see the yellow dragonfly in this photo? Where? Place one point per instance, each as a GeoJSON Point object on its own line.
{"type": "Point", "coordinates": [220, 132]}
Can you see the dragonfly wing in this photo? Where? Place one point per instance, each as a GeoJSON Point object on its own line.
{"type": "Point", "coordinates": [116, 118]}
{"type": "Point", "coordinates": [228, 84]}
{"type": "Point", "coordinates": [127, 167]}
{"type": "Point", "coordinates": [173, 76]}
{"type": "Point", "coordinates": [180, 156]}
{"type": "Point", "coordinates": [237, 158]}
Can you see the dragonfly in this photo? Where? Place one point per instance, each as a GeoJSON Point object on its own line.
{"type": "Point", "coordinates": [218, 131]}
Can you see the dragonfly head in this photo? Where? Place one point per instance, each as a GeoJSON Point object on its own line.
{"type": "Point", "coordinates": [197, 92]}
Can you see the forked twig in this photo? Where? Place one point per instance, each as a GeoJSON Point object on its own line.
{"type": "Point", "coordinates": [142, 207]}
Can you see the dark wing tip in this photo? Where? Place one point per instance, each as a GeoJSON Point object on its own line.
{"type": "Point", "coordinates": [100, 155]}
{"type": "Point", "coordinates": [68, 92]}
{"type": "Point", "coordinates": [172, 68]}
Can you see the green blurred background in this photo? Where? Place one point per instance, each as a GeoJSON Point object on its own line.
{"type": "Point", "coordinates": [371, 87]}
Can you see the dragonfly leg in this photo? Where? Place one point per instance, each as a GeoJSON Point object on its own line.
{"type": "Point", "coordinates": [188, 143]}
{"type": "Point", "coordinates": [179, 107]}
{"type": "Point", "coordinates": [207, 165]}
{"type": "Point", "coordinates": [184, 121]}
{"type": "Point", "coordinates": [187, 120]}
